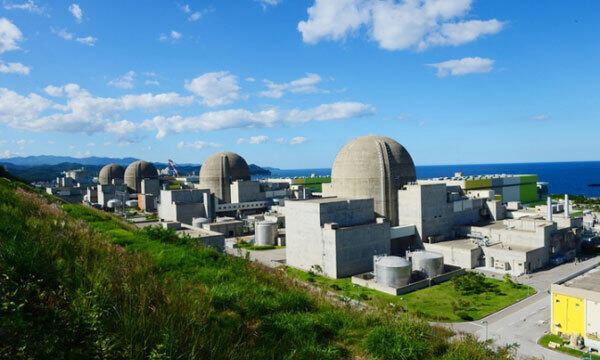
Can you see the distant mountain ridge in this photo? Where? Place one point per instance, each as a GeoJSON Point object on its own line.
{"type": "Point", "coordinates": [48, 167]}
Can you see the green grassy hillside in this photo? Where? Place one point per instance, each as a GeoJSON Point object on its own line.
{"type": "Point", "coordinates": [76, 283]}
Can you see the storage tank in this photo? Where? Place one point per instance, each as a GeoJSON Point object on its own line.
{"type": "Point", "coordinates": [113, 203]}
{"type": "Point", "coordinates": [428, 262]}
{"type": "Point", "coordinates": [131, 203]}
{"type": "Point", "coordinates": [392, 270]}
{"type": "Point", "coordinates": [197, 222]}
{"type": "Point", "coordinates": [266, 233]}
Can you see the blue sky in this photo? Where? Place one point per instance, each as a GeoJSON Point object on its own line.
{"type": "Point", "coordinates": [286, 83]}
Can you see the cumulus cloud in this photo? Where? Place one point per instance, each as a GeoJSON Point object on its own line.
{"type": "Point", "coordinates": [82, 113]}
{"type": "Point", "coordinates": [76, 11]}
{"type": "Point", "coordinates": [306, 84]}
{"type": "Point", "coordinates": [151, 82]}
{"type": "Point", "coordinates": [124, 81]}
{"type": "Point", "coordinates": [468, 65]}
{"type": "Point", "coordinates": [215, 88]}
{"type": "Point", "coordinates": [198, 145]}
{"type": "Point", "coordinates": [10, 36]}
{"type": "Point", "coordinates": [29, 5]}
{"type": "Point", "coordinates": [293, 141]}
{"type": "Point", "coordinates": [13, 68]}
{"type": "Point", "coordinates": [396, 24]}
{"type": "Point", "coordinates": [242, 118]}
{"type": "Point", "coordinates": [63, 33]}
{"type": "Point", "coordinates": [260, 139]}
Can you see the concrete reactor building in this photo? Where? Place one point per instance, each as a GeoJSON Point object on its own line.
{"type": "Point", "coordinates": [372, 167]}
{"type": "Point", "coordinates": [138, 171]}
{"type": "Point", "coordinates": [109, 173]}
{"type": "Point", "coordinates": [220, 170]}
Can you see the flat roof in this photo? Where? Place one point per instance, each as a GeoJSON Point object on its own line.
{"type": "Point", "coordinates": [586, 281]}
{"type": "Point", "coordinates": [325, 200]}
{"type": "Point", "coordinates": [467, 244]}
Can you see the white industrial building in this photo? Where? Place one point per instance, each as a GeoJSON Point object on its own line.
{"type": "Point", "coordinates": [338, 235]}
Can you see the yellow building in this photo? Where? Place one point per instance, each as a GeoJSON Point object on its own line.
{"type": "Point", "coordinates": [576, 308]}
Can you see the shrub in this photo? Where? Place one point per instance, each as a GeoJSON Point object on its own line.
{"type": "Point", "coordinates": [472, 283]}
{"type": "Point", "coordinates": [464, 315]}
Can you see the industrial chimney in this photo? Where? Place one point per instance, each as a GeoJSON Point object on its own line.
{"type": "Point", "coordinates": [549, 203]}
{"type": "Point", "coordinates": [567, 211]}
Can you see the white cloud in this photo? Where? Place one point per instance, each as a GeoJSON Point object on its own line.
{"type": "Point", "coordinates": [396, 25]}
{"type": "Point", "coordinates": [241, 118]}
{"type": "Point", "coordinates": [468, 65]}
{"type": "Point", "coordinates": [151, 82]}
{"type": "Point", "coordinates": [29, 5]}
{"type": "Point", "coordinates": [260, 139]}
{"type": "Point", "coordinates": [185, 8]}
{"type": "Point", "coordinates": [173, 35]}
{"type": "Point", "coordinates": [23, 142]}
{"type": "Point", "coordinates": [14, 68]}
{"type": "Point", "coordinates": [124, 81]}
{"type": "Point", "coordinates": [267, 3]}
{"type": "Point", "coordinates": [302, 85]}
{"type": "Point", "coordinates": [82, 113]}
{"type": "Point", "coordinates": [63, 33]}
{"type": "Point", "coordinates": [10, 35]}
{"type": "Point", "coordinates": [215, 88]}
{"type": "Point", "coordinates": [9, 154]}
{"type": "Point", "coordinates": [298, 140]}
{"type": "Point", "coordinates": [88, 40]}
{"type": "Point", "coordinates": [76, 11]}
{"type": "Point", "coordinates": [540, 117]}
{"type": "Point", "coordinates": [250, 79]}
{"type": "Point", "coordinates": [198, 145]}
{"type": "Point", "coordinates": [195, 16]}
{"type": "Point", "coordinates": [293, 141]}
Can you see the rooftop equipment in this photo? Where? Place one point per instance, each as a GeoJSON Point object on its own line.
{"type": "Point", "coordinates": [198, 221]}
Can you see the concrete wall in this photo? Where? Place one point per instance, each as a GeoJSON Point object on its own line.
{"type": "Point", "coordinates": [460, 256]}
{"type": "Point", "coordinates": [339, 235]}
{"type": "Point", "coordinates": [246, 191]}
{"type": "Point", "coordinates": [356, 245]}
{"type": "Point", "coordinates": [227, 228]}
{"type": "Point", "coordinates": [150, 186]}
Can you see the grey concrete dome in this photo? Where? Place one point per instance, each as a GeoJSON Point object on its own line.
{"type": "Point", "coordinates": [136, 172]}
{"type": "Point", "coordinates": [110, 172]}
{"type": "Point", "coordinates": [221, 169]}
{"type": "Point", "coordinates": [372, 167]}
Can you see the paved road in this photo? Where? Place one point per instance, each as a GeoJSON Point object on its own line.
{"type": "Point", "coordinates": [528, 320]}
{"type": "Point", "coordinates": [522, 323]}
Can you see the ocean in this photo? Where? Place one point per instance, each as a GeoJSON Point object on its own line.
{"type": "Point", "coordinates": [562, 177]}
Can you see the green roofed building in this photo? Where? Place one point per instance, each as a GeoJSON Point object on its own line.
{"type": "Point", "coordinates": [506, 188]}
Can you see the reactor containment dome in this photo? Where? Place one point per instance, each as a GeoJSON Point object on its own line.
{"type": "Point", "coordinates": [221, 169]}
{"type": "Point", "coordinates": [372, 167]}
{"type": "Point", "coordinates": [109, 173]}
{"type": "Point", "coordinates": [136, 172]}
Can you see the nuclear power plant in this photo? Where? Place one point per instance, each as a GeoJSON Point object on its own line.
{"type": "Point", "coordinates": [372, 220]}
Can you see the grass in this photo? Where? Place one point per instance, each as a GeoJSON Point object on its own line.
{"type": "Point", "coordinates": [250, 246]}
{"type": "Point", "coordinates": [437, 303]}
{"type": "Point", "coordinates": [77, 283]}
{"type": "Point", "coordinates": [544, 340]}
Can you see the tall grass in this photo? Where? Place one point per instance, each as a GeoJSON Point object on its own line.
{"type": "Point", "coordinates": [76, 283]}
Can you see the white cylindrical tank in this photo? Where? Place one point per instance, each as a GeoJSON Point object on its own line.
{"type": "Point", "coordinates": [266, 233]}
{"type": "Point", "coordinates": [197, 222]}
{"type": "Point", "coordinates": [428, 262]}
{"type": "Point", "coordinates": [112, 203]}
{"type": "Point", "coordinates": [392, 270]}
{"type": "Point", "coordinates": [131, 203]}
